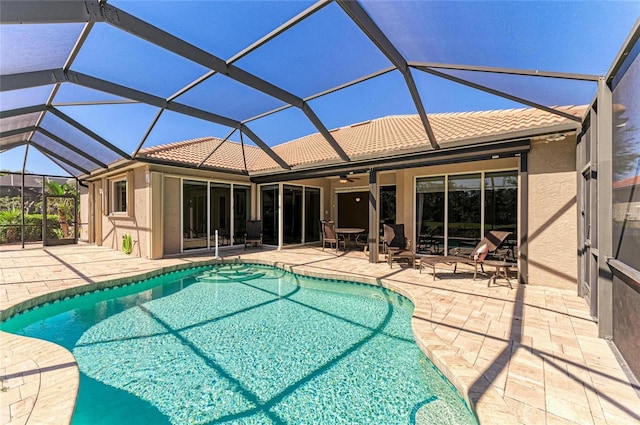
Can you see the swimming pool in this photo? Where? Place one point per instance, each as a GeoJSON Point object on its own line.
{"type": "Point", "coordinates": [243, 343]}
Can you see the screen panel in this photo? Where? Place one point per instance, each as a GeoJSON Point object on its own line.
{"type": "Point", "coordinates": [15, 99]}
{"type": "Point", "coordinates": [543, 90]}
{"type": "Point", "coordinates": [230, 25]}
{"type": "Point", "coordinates": [77, 138]}
{"type": "Point", "coordinates": [272, 131]}
{"type": "Point", "coordinates": [40, 139]}
{"type": "Point", "coordinates": [36, 47]}
{"type": "Point", "coordinates": [173, 127]}
{"type": "Point", "coordinates": [125, 124]}
{"type": "Point", "coordinates": [69, 94]}
{"type": "Point", "coordinates": [19, 121]}
{"type": "Point", "coordinates": [121, 58]}
{"type": "Point", "coordinates": [309, 58]}
{"type": "Point", "coordinates": [375, 98]}
{"type": "Point", "coordinates": [229, 98]}
{"type": "Point", "coordinates": [548, 36]}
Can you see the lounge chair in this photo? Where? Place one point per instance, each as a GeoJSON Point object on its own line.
{"type": "Point", "coordinates": [396, 246]}
{"type": "Point", "coordinates": [253, 233]}
{"type": "Point", "coordinates": [488, 244]}
{"type": "Point", "coordinates": [330, 237]}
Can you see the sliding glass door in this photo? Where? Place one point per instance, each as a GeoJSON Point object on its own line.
{"type": "Point", "coordinates": [194, 214]}
{"type": "Point", "coordinates": [207, 208]}
{"type": "Point", "coordinates": [312, 214]}
{"type": "Point", "coordinates": [464, 203]}
{"type": "Point", "coordinates": [220, 213]}
{"type": "Point", "coordinates": [292, 220]}
{"type": "Point", "coordinates": [241, 211]}
{"type": "Point", "coordinates": [501, 202]}
{"type": "Point", "coordinates": [430, 215]}
{"type": "Point", "coordinates": [269, 196]}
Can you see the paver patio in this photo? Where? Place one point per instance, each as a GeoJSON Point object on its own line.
{"type": "Point", "coordinates": [526, 355]}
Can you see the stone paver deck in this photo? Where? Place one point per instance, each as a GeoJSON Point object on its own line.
{"type": "Point", "coordinates": [526, 355]}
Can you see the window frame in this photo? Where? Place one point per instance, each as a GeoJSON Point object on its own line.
{"type": "Point", "coordinates": [115, 195]}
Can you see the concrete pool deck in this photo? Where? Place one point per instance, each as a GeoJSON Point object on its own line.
{"type": "Point", "coordinates": [526, 355]}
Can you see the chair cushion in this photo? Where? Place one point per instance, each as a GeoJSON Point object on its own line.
{"type": "Point", "coordinates": [482, 249]}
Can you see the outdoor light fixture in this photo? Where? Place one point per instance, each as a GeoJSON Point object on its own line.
{"type": "Point", "coordinates": [343, 179]}
{"type": "Point", "coordinates": [357, 199]}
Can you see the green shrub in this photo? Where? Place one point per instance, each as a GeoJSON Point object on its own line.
{"type": "Point", "coordinates": [10, 227]}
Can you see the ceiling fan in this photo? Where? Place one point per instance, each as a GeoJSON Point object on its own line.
{"type": "Point", "coordinates": [345, 178]}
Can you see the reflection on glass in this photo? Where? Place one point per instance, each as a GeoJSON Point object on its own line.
{"type": "Point", "coordinates": [501, 202]}
{"type": "Point", "coordinates": [241, 211]}
{"type": "Point", "coordinates": [311, 214]}
{"type": "Point", "coordinates": [430, 215]}
{"type": "Point", "coordinates": [220, 213]}
{"type": "Point", "coordinates": [269, 206]}
{"type": "Point", "coordinates": [464, 211]}
{"type": "Point", "coordinates": [194, 214]}
{"type": "Point", "coordinates": [387, 206]}
{"type": "Point", "coordinates": [292, 204]}
{"type": "Point", "coordinates": [626, 162]}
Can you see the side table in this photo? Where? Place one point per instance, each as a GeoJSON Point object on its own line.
{"type": "Point", "coordinates": [502, 267]}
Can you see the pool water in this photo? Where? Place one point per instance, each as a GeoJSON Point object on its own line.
{"type": "Point", "coordinates": [245, 344]}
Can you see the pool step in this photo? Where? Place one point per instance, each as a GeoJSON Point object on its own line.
{"type": "Point", "coordinates": [230, 274]}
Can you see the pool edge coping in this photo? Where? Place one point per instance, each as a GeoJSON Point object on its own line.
{"type": "Point", "coordinates": [487, 406]}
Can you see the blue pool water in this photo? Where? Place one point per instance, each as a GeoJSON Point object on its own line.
{"type": "Point", "coordinates": [245, 344]}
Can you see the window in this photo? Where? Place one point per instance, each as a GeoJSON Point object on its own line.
{"type": "Point", "coordinates": [454, 203]}
{"type": "Point", "coordinates": [501, 202]}
{"type": "Point", "coordinates": [464, 211]}
{"type": "Point", "coordinates": [119, 196]}
{"type": "Point", "coordinates": [430, 215]}
{"type": "Point", "coordinates": [387, 206]}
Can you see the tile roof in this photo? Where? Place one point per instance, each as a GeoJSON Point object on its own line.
{"type": "Point", "coordinates": [387, 136]}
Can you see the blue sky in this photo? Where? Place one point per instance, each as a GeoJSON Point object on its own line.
{"type": "Point", "coordinates": [328, 50]}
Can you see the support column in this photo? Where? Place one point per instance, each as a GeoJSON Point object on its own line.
{"type": "Point", "coordinates": [604, 141]}
{"type": "Point", "coordinates": [372, 239]}
{"type": "Point", "coordinates": [44, 214]}
{"type": "Point", "coordinates": [523, 267]}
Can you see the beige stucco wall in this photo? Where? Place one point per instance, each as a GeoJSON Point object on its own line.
{"type": "Point", "coordinates": [83, 212]}
{"type": "Point", "coordinates": [171, 215]}
{"type": "Point", "coordinates": [552, 213]}
{"type": "Point", "coordinates": [135, 223]}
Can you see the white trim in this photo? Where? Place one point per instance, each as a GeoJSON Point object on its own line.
{"type": "Point", "coordinates": [111, 192]}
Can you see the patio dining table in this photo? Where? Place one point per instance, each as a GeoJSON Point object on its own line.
{"type": "Point", "coordinates": [348, 232]}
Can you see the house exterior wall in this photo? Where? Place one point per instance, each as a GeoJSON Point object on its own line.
{"type": "Point", "coordinates": [84, 214]}
{"type": "Point", "coordinates": [552, 213]}
{"type": "Point", "coordinates": [113, 227]}
{"type": "Point", "coordinates": [552, 206]}
{"type": "Point", "coordinates": [154, 219]}
{"type": "Point", "coordinates": [171, 215]}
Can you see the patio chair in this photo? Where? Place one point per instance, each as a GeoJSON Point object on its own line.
{"type": "Point", "coordinates": [253, 233]}
{"type": "Point", "coordinates": [329, 236]}
{"type": "Point", "coordinates": [487, 245]}
{"type": "Point", "coordinates": [396, 246]}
